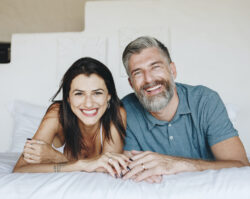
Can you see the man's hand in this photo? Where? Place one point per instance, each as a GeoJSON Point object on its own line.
{"type": "Point", "coordinates": [147, 164]}
{"type": "Point", "coordinates": [150, 179]}
{"type": "Point", "coordinates": [37, 151]}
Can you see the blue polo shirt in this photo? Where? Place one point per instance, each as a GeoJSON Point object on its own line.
{"type": "Point", "coordinates": [200, 122]}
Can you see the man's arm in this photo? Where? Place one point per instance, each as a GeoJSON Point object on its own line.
{"type": "Point", "coordinates": [228, 153]}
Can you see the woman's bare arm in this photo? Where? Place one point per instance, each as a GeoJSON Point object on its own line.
{"type": "Point", "coordinates": [46, 132]}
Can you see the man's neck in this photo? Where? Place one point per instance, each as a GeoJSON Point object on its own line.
{"type": "Point", "coordinates": [167, 113]}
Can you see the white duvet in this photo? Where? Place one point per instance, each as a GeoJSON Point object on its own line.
{"type": "Point", "coordinates": [225, 183]}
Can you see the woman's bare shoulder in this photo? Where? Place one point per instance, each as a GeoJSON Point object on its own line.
{"type": "Point", "coordinates": [53, 111]}
{"type": "Point", "coordinates": [50, 123]}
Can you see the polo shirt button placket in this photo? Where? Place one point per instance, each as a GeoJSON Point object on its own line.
{"type": "Point", "coordinates": [170, 137]}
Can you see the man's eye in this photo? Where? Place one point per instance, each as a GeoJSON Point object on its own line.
{"type": "Point", "coordinates": [78, 93]}
{"type": "Point", "coordinates": [136, 73]}
{"type": "Point", "coordinates": [156, 67]}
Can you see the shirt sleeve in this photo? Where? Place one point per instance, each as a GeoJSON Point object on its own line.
{"type": "Point", "coordinates": [218, 126]}
{"type": "Point", "coordinates": [131, 142]}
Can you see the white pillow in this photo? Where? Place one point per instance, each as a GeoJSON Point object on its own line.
{"type": "Point", "coordinates": [27, 118]}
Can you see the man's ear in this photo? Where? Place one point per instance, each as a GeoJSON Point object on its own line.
{"type": "Point", "coordinates": [129, 80]}
{"type": "Point", "coordinates": [173, 70]}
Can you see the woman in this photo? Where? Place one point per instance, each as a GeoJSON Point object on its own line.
{"type": "Point", "coordinates": [89, 120]}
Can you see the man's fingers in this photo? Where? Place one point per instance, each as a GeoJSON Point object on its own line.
{"type": "Point", "coordinates": [137, 169]}
{"type": "Point", "coordinates": [134, 152]}
{"type": "Point", "coordinates": [139, 154]}
{"type": "Point", "coordinates": [145, 174]}
{"type": "Point", "coordinates": [156, 178]}
{"type": "Point", "coordinates": [149, 180]}
{"type": "Point", "coordinates": [146, 160]}
{"type": "Point", "coordinates": [128, 153]}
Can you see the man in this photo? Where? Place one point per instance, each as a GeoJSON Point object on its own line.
{"type": "Point", "coordinates": [173, 127]}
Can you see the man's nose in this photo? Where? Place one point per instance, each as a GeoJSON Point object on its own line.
{"type": "Point", "coordinates": [147, 77]}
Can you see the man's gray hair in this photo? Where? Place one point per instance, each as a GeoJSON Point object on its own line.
{"type": "Point", "coordinates": [141, 43]}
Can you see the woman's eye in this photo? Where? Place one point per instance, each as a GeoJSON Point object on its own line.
{"type": "Point", "coordinates": [98, 93]}
{"type": "Point", "coordinates": [78, 93]}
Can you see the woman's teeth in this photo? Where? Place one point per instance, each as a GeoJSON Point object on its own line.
{"type": "Point", "coordinates": [89, 111]}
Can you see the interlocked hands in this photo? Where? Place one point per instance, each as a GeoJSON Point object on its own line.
{"type": "Point", "coordinates": [137, 165]}
{"type": "Point", "coordinates": [112, 163]}
{"type": "Point", "coordinates": [150, 166]}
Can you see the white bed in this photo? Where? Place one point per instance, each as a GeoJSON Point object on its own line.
{"type": "Point", "coordinates": [225, 183]}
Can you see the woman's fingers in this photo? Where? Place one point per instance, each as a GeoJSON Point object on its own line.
{"type": "Point", "coordinates": [29, 151]}
{"type": "Point", "coordinates": [108, 168]}
{"type": "Point", "coordinates": [33, 141]}
{"type": "Point", "coordinates": [122, 160]}
{"type": "Point", "coordinates": [31, 158]}
{"type": "Point", "coordinates": [115, 164]}
{"type": "Point", "coordinates": [119, 162]}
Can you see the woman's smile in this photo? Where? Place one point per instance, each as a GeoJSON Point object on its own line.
{"type": "Point", "coordinates": [89, 112]}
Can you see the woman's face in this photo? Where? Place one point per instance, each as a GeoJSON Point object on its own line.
{"type": "Point", "coordinates": [88, 98]}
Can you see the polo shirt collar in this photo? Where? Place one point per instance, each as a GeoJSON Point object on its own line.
{"type": "Point", "coordinates": [182, 109]}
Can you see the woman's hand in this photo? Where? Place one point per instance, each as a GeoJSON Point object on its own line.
{"type": "Point", "coordinates": [37, 151]}
{"type": "Point", "coordinates": [112, 163]}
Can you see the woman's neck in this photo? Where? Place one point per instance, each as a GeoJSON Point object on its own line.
{"type": "Point", "coordinates": [89, 131]}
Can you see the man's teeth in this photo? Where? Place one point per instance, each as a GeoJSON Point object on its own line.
{"type": "Point", "coordinates": [154, 88]}
{"type": "Point", "coordinates": [90, 111]}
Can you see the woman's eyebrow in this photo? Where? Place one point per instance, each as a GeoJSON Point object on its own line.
{"type": "Point", "coordinates": [99, 89]}
{"type": "Point", "coordinates": [77, 90]}
{"type": "Point", "coordinates": [95, 90]}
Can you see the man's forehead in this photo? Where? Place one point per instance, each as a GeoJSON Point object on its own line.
{"type": "Point", "coordinates": [147, 56]}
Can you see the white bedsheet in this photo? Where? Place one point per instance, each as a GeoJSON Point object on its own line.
{"type": "Point", "coordinates": [225, 183]}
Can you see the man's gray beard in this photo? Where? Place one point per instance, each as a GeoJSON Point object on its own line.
{"type": "Point", "coordinates": [158, 102]}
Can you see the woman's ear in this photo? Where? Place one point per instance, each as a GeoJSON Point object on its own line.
{"type": "Point", "coordinates": [109, 97]}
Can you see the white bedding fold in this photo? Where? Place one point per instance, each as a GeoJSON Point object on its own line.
{"type": "Point", "coordinates": [225, 183]}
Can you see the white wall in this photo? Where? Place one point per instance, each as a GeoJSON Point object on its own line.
{"type": "Point", "coordinates": [209, 42]}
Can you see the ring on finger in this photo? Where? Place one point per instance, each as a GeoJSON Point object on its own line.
{"type": "Point", "coordinates": [143, 166]}
{"type": "Point", "coordinates": [110, 160]}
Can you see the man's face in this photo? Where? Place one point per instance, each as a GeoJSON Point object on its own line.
{"type": "Point", "coordinates": [151, 79]}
